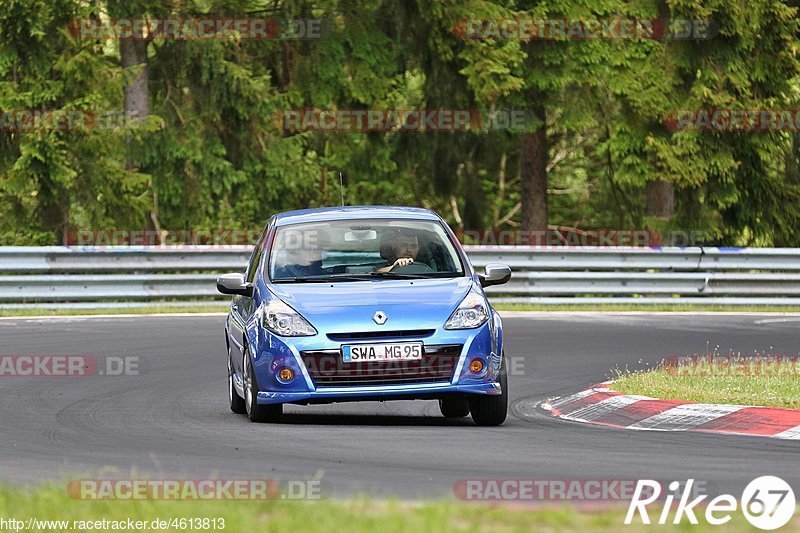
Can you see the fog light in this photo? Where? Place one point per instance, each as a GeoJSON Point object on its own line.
{"type": "Point", "coordinates": [476, 366]}
{"type": "Point", "coordinates": [285, 374]}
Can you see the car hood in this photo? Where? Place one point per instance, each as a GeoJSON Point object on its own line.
{"type": "Point", "coordinates": [350, 306]}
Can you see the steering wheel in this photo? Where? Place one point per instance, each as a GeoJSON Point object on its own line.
{"type": "Point", "coordinates": [413, 268]}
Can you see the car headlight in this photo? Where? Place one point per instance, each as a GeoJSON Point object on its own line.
{"type": "Point", "coordinates": [470, 313]}
{"type": "Point", "coordinates": [282, 320]}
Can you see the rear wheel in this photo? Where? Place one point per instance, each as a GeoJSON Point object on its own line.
{"type": "Point", "coordinates": [236, 401]}
{"type": "Point", "coordinates": [491, 410]}
{"type": "Point", "coordinates": [454, 407]}
{"type": "Point", "coordinates": [255, 411]}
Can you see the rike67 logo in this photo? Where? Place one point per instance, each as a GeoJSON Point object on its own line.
{"type": "Point", "coordinates": [767, 502]}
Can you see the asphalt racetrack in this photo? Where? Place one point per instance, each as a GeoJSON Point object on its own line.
{"type": "Point", "coordinates": [172, 419]}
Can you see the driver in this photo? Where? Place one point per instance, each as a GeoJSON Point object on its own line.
{"type": "Point", "coordinates": [405, 248]}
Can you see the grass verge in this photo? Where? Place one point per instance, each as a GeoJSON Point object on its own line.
{"type": "Point", "coordinates": [358, 515]}
{"type": "Point", "coordinates": [719, 380]}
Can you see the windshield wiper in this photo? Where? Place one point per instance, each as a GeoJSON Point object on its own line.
{"type": "Point", "coordinates": [324, 278]}
{"type": "Point", "coordinates": [397, 275]}
{"type": "Point", "coordinates": [365, 276]}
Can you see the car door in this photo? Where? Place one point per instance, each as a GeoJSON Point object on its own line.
{"type": "Point", "coordinates": [243, 307]}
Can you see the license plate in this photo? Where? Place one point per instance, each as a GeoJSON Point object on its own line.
{"type": "Point", "coordinates": [399, 351]}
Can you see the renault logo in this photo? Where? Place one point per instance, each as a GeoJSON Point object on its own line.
{"type": "Point", "coordinates": [380, 318]}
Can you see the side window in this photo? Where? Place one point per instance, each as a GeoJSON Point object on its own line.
{"type": "Point", "coordinates": [258, 252]}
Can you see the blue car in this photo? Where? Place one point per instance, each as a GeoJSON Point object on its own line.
{"type": "Point", "coordinates": [364, 303]}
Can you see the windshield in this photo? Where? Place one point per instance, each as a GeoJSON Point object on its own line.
{"type": "Point", "coordinates": [354, 250]}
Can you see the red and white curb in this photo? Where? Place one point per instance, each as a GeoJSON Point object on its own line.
{"type": "Point", "coordinates": [602, 406]}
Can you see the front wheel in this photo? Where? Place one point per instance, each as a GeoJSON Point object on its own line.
{"type": "Point", "coordinates": [491, 410]}
{"type": "Point", "coordinates": [236, 402]}
{"type": "Point", "coordinates": [454, 407]}
{"type": "Point", "coordinates": [255, 411]}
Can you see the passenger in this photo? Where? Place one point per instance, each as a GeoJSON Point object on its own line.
{"type": "Point", "coordinates": [303, 261]}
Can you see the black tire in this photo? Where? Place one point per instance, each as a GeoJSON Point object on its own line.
{"type": "Point", "coordinates": [255, 411]}
{"type": "Point", "coordinates": [454, 407]}
{"type": "Point", "coordinates": [236, 401]}
{"type": "Point", "coordinates": [491, 410]}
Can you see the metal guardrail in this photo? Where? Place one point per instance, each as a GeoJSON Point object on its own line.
{"type": "Point", "coordinates": [124, 276]}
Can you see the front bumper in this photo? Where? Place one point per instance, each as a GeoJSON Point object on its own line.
{"type": "Point", "coordinates": [276, 353]}
{"type": "Point", "coordinates": [386, 392]}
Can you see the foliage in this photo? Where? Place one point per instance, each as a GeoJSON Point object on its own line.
{"type": "Point", "coordinates": [212, 153]}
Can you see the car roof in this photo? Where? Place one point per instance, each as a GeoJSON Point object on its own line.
{"type": "Point", "coordinates": [353, 212]}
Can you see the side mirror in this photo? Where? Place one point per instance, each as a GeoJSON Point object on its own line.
{"type": "Point", "coordinates": [234, 284]}
{"type": "Point", "coordinates": [495, 274]}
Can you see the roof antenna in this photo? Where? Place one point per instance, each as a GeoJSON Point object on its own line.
{"type": "Point", "coordinates": [341, 187]}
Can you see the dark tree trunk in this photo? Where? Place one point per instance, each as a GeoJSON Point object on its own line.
{"type": "Point", "coordinates": [533, 174]}
{"type": "Point", "coordinates": [793, 161]}
{"type": "Point", "coordinates": [660, 195]}
{"type": "Point", "coordinates": [54, 209]}
{"type": "Point", "coordinates": [133, 53]}
{"type": "Point", "coordinates": [660, 199]}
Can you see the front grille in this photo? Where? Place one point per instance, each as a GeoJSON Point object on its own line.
{"type": "Point", "coordinates": [400, 334]}
{"type": "Point", "coordinates": [327, 369]}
